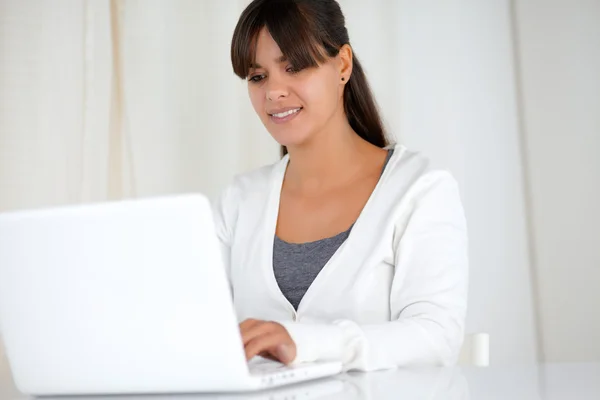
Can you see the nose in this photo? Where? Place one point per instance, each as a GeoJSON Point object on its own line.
{"type": "Point", "coordinates": [276, 89]}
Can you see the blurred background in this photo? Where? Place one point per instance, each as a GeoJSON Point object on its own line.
{"type": "Point", "coordinates": [108, 99]}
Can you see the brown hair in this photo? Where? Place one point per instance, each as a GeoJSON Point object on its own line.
{"type": "Point", "coordinates": [307, 32]}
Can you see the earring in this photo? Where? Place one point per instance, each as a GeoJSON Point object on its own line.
{"type": "Point", "coordinates": [343, 79]}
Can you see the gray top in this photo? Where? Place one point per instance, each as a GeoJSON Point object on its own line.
{"type": "Point", "coordinates": [296, 265]}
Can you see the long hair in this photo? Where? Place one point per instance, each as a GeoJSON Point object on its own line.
{"type": "Point", "coordinates": [307, 32]}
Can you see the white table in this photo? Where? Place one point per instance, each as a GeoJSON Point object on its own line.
{"type": "Point", "coordinates": [552, 381]}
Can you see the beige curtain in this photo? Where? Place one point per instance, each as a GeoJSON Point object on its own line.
{"type": "Point", "coordinates": [107, 99]}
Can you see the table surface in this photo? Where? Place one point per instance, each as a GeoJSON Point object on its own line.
{"type": "Point", "coordinates": [547, 381]}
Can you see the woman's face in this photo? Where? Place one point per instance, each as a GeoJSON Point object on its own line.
{"type": "Point", "coordinates": [293, 105]}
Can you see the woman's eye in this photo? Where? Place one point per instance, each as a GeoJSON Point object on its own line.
{"type": "Point", "coordinates": [292, 70]}
{"type": "Point", "coordinates": [256, 78]}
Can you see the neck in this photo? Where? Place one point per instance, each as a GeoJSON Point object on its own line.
{"type": "Point", "coordinates": [331, 157]}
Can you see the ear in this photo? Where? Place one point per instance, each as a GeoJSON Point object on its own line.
{"type": "Point", "coordinates": [345, 64]}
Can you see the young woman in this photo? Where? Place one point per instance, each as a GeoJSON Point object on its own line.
{"type": "Point", "coordinates": [348, 248]}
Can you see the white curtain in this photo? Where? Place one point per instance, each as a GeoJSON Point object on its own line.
{"type": "Point", "coordinates": [104, 99]}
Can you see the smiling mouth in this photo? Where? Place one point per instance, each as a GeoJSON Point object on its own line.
{"type": "Point", "coordinates": [286, 113]}
{"type": "Point", "coordinates": [283, 117]}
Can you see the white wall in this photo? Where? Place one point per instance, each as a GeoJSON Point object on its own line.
{"type": "Point", "coordinates": [560, 68]}
{"type": "Point", "coordinates": [443, 73]}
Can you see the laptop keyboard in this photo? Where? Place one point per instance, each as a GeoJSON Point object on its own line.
{"type": "Point", "coordinates": [263, 366]}
{"type": "Point", "coordinates": [272, 373]}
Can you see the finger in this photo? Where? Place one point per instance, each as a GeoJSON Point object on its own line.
{"type": "Point", "coordinates": [262, 344]}
{"type": "Point", "coordinates": [248, 326]}
{"type": "Point", "coordinates": [267, 355]}
{"type": "Point", "coordinates": [248, 323]}
{"type": "Point", "coordinates": [257, 330]}
{"type": "Point", "coordinates": [286, 353]}
{"type": "Point", "coordinates": [266, 343]}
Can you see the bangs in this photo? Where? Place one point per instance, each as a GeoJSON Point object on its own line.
{"type": "Point", "coordinates": [290, 27]}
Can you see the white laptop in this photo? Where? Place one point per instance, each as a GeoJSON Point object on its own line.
{"type": "Point", "coordinates": [122, 298]}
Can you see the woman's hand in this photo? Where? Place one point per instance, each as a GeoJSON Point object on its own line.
{"type": "Point", "coordinates": [267, 339]}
